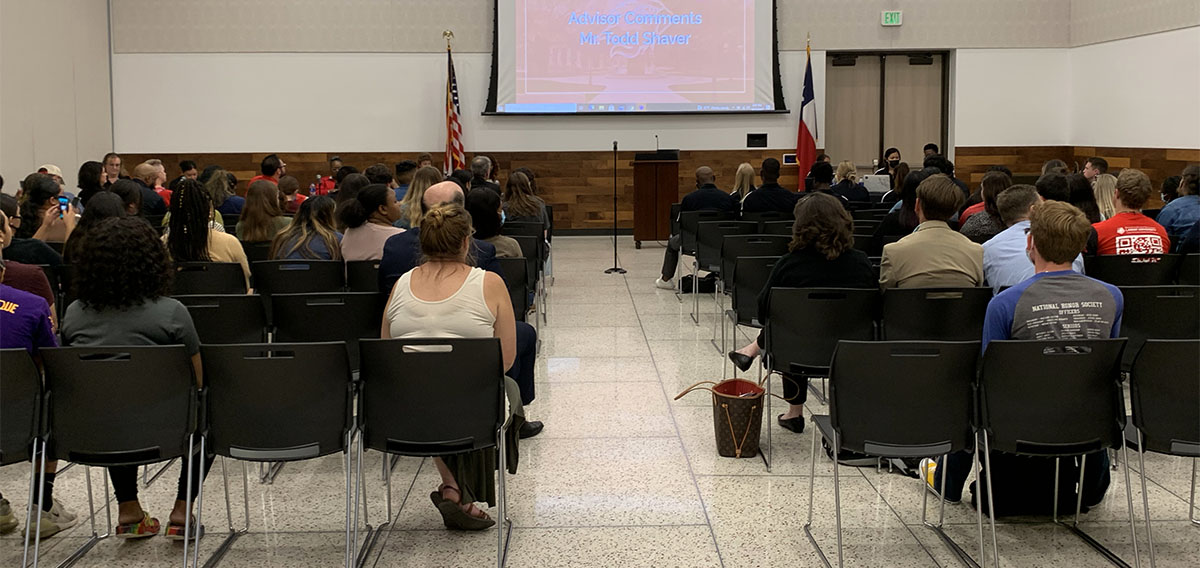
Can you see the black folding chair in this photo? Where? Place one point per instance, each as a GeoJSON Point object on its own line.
{"type": "Point", "coordinates": [550, 244]}
{"type": "Point", "coordinates": [1133, 269]}
{"type": "Point", "coordinates": [338, 316]}
{"type": "Point", "coordinates": [777, 228]}
{"type": "Point", "coordinates": [154, 383]}
{"type": "Point", "coordinates": [867, 214]}
{"type": "Point", "coordinates": [256, 252]}
{"type": "Point", "coordinates": [237, 318]}
{"type": "Point", "coordinates": [1055, 398]}
{"type": "Point", "coordinates": [689, 227]}
{"type": "Point", "coordinates": [1189, 270]}
{"type": "Point", "coordinates": [298, 276]}
{"type": "Point", "coordinates": [865, 227]}
{"type": "Point", "coordinates": [750, 275]}
{"type": "Point", "coordinates": [710, 239]}
{"type": "Point", "coordinates": [516, 277]}
{"type": "Point", "coordinates": [732, 248]}
{"type": "Point", "coordinates": [192, 278]}
{"type": "Point", "coordinates": [435, 397]}
{"type": "Point", "coordinates": [864, 242]}
{"type": "Point", "coordinates": [21, 422]}
{"type": "Point", "coordinates": [761, 217]}
{"type": "Point", "coordinates": [279, 402]}
{"type": "Point", "coordinates": [897, 399]}
{"type": "Point", "coordinates": [531, 251]}
{"type": "Point", "coordinates": [1158, 312]}
{"type": "Point", "coordinates": [934, 314]}
{"type": "Point", "coordinates": [363, 276]}
{"type": "Point", "coordinates": [1163, 391]}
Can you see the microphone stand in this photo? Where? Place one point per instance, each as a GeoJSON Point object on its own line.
{"type": "Point", "coordinates": [616, 267]}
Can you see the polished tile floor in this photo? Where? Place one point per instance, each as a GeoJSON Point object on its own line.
{"type": "Point", "coordinates": [623, 475]}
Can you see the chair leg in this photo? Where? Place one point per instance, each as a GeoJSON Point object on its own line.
{"type": "Point", "coordinates": [987, 472]}
{"type": "Point", "coordinates": [1137, 558]}
{"type": "Point", "coordinates": [837, 496]}
{"type": "Point", "coordinates": [1079, 488]}
{"type": "Point", "coordinates": [770, 453]}
{"type": "Point", "coordinates": [187, 509]}
{"type": "Point", "coordinates": [1054, 516]}
{"type": "Point", "coordinates": [234, 533]}
{"type": "Point", "coordinates": [979, 505]}
{"type": "Point", "coordinates": [812, 481]}
{"type": "Point", "coordinates": [1145, 497]}
{"type": "Point", "coordinates": [696, 291]}
{"type": "Point", "coordinates": [36, 479]}
{"type": "Point", "coordinates": [1192, 497]}
{"type": "Point", "coordinates": [350, 542]}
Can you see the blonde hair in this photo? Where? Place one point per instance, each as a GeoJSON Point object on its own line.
{"type": "Point", "coordinates": [1104, 187]}
{"type": "Point", "coordinates": [846, 170]}
{"type": "Point", "coordinates": [411, 204]}
{"type": "Point", "coordinates": [743, 180]}
{"type": "Point", "coordinates": [1060, 231]}
{"type": "Point", "coordinates": [443, 230]}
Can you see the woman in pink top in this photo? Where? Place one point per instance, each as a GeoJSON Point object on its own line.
{"type": "Point", "coordinates": [368, 218]}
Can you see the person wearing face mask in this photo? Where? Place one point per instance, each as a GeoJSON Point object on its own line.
{"type": "Point", "coordinates": [368, 219]}
{"type": "Point", "coordinates": [487, 216]}
{"type": "Point", "coordinates": [1005, 256]}
{"type": "Point", "coordinates": [891, 159]}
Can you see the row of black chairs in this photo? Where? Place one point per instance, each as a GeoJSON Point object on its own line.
{"type": "Point", "coordinates": [259, 403]}
{"type": "Point", "coordinates": [914, 400]}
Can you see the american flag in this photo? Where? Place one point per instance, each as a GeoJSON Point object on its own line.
{"type": "Point", "coordinates": [455, 159]}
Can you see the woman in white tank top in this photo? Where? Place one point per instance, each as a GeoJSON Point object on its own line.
{"type": "Point", "coordinates": [446, 297]}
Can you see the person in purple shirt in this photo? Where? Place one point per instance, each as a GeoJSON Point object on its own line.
{"type": "Point", "coordinates": [25, 324]}
{"type": "Point", "coordinates": [1056, 303]}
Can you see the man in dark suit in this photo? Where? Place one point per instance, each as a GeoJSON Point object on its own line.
{"type": "Point", "coordinates": [707, 197]}
{"type": "Point", "coordinates": [770, 196]}
{"type": "Point", "coordinates": [481, 169]}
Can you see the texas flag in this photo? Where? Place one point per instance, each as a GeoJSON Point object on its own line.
{"type": "Point", "coordinates": [806, 138]}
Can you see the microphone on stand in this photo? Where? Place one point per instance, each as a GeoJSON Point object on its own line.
{"type": "Point", "coordinates": [616, 267]}
{"type": "Point", "coordinates": [655, 142]}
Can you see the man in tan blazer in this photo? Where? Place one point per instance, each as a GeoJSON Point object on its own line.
{"type": "Point", "coordinates": [934, 255]}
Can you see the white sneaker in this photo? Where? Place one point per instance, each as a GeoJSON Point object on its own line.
{"type": "Point", "coordinates": [56, 520]}
{"type": "Point", "coordinates": [663, 284]}
{"type": "Point", "coordinates": [8, 520]}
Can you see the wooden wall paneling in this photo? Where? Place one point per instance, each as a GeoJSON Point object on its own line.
{"type": "Point", "coordinates": [971, 162]}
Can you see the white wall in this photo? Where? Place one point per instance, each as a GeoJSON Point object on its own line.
{"type": "Point", "coordinates": [1142, 92]}
{"type": "Point", "coordinates": [1012, 97]}
{"type": "Point", "coordinates": [54, 97]}
{"type": "Point", "coordinates": [394, 104]}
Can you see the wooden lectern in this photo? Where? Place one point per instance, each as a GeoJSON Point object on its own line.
{"type": "Point", "coordinates": [655, 188]}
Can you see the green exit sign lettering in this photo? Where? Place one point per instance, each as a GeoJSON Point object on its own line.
{"type": "Point", "coordinates": [892, 17]}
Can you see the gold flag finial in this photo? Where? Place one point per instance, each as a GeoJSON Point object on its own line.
{"type": "Point", "coordinates": [449, 35]}
{"type": "Point", "coordinates": [809, 39]}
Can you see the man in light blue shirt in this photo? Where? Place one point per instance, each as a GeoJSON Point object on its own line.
{"type": "Point", "coordinates": [1005, 259]}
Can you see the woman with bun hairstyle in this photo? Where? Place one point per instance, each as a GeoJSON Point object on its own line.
{"type": "Point", "coordinates": [368, 219]}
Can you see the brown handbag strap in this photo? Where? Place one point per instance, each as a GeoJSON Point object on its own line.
{"type": "Point", "coordinates": [737, 446]}
{"type": "Point", "coordinates": [693, 387]}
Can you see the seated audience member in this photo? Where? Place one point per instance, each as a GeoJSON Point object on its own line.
{"type": "Point", "coordinates": [1128, 231]}
{"type": "Point", "coordinates": [486, 216]}
{"type": "Point", "coordinates": [112, 169]}
{"type": "Point", "coordinates": [25, 277]}
{"type": "Point", "coordinates": [349, 186]}
{"type": "Point", "coordinates": [1055, 166]}
{"type": "Point", "coordinates": [425, 160]}
{"type": "Point", "coordinates": [261, 218]}
{"type": "Point", "coordinates": [822, 175]}
{"type": "Point", "coordinates": [131, 195]}
{"type": "Point", "coordinates": [931, 149]}
{"type": "Point", "coordinates": [1053, 187]}
{"type": "Point", "coordinates": [127, 250]}
{"type": "Point", "coordinates": [934, 255]}
{"type": "Point", "coordinates": [902, 219]}
{"type": "Point", "coordinates": [327, 184]}
{"type": "Point", "coordinates": [27, 322]}
{"type": "Point", "coordinates": [41, 216]}
{"type": "Point", "coordinates": [1181, 214]}
{"type": "Point", "coordinates": [770, 196]}
{"type": "Point", "coordinates": [1005, 256]}
{"type": "Point", "coordinates": [1083, 197]}
{"type": "Point", "coordinates": [1170, 188]}
{"type": "Point", "coordinates": [945, 166]}
{"type": "Point", "coordinates": [146, 176]}
{"type": "Point", "coordinates": [227, 203]}
{"type": "Point", "coordinates": [462, 178]}
{"type": "Point", "coordinates": [187, 169]}
{"type": "Point", "coordinates": [976, 203]}
{"type": "Point", "coordinates": [821, 255]}
{"type": "Point", "coordinates": [1104, 188]}
{"type": "Point", "coordinates": [190, 235]}
{"type": "Point", "coordinates": [706, 197]}
{"type": "Point", "coordinates": [847, 186]}
{"type": "Point", "coordinates": [533, 186]}
{"type": "Point", "coordinates": [342, 173]}
{"type": "Point", "coordinates": [1093, 167]}
{"type": "Point", "coordinates": [89, 183]}
{"type": "Point", "coordinates": [808, 180]}
{"type": "Point", "coordinates": [743, 182]}
{"type": "Point", "coordinates": [106, 205]}
{"type": "Point", "coordinates": [272, 168]}
{"type": "Point", "coordinates": [405, 171]}
{"type": "Point", "coordinates": [28, 250]}
{"type": "Point", "coordinates": [521, 205]}
{"type": "Point", "coordinates": [311, 235]}
{"type": "Point", "coordinates": [289, 190]}
{"type": "Point", "coordinates": [1025, 485]}
{"type": "Point", "coordinates": [380, 173]}
{"type": "Point", "coordinates": [987, 223]}
{"type": "Point", "coordinates": [893, 195]}
{"type": "Point", "coordinates": [481, 172]}
{"type": "Point", "coordinates": [447, 297]}
{"type": "Point", "coordinates": [410, 207]}
{"type": "Point", "coordinates": [162, 192]}
{"type": "Point", "coordinates": [891, 161]}
{"type": "Point", "coordinates": [368, 220]}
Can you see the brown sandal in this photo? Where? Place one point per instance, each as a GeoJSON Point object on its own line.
{"type": "Point", "coordinates": [457, 518]}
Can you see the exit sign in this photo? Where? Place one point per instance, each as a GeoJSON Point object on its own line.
{"type": "Point", "coordinates": [892, 17]}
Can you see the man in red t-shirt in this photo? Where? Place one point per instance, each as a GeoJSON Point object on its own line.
{"type": "Point", "coordinates": [1128, 231]}
{"type": "Point", "coordinates": [272, 168]}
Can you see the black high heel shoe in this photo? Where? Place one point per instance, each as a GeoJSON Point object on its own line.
{"type": "Point", "coordinates": [742, 362]}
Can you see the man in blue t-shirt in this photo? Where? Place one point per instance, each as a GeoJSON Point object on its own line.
{"type": "Point", "coordinates": [1056, 303]}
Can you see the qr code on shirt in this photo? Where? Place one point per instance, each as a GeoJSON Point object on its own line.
{"type": "Point", "coordinates": [1140, 244]}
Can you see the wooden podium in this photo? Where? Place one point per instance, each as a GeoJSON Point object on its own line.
{"type": "Point", "coordinates": [655, 188]}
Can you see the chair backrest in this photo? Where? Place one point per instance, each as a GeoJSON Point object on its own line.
{"type": "Point", "coordinates": [934, 314]}
{"type": "Point", "coordinates": [362, 276]}
{"type": "Point", "coordinates": [764, 216]}
{"type": "Point", "coordinates": [256, 252]}
{"type": "Point", "coordinates": [903, 398]}
{"type": "Point", "coordinates": [279, 401]}
{"type": "Point", "coordinates": [1189, 270]}
{"type": "Point", "coordinates": [119, 405]}
{"type": "Point", "coordinates": [710, 238]}
{"type": "Point", "coordinates": [777, 228]}
{"type": "Point", "coordinates": [689, 225]}
{"type": "Point", "coordinates": [522, 229]}
{"type": "Point", "coordinates": [298, 276]}
{"type": "Point", "coordinates": [805, 324]}
{"type": "Point", "coordinates": [337, 316]}
{"type": "Point", "coordinates": [516, 277]}
{"type": "Point", "coordinates": [1163, 390]}
{"type": "Point", "coordinates": [21, 385]}
{"type": "Point", "coordinates": [749, 276]}
{"type": "Point", "coordinates": [734, 246]}
{"type": "Point", "coordinates": [863, 226]}
{"type": "Point", "coordinates": [233, 318]}
{"type": "Point", "coordinates": [1052, 398]}
{"type": "Point", "coordinates": [430, 397]}
{"type": "Point", "coordinates": [208, 278]}
{"type": "Point", "coordinates": [531, 251]}
{"type": "Point", "coordinates": [867, 214]}
{"type": "Point", "coordinates": [1133, 269]}
{"type": "Point", "coordinates": [1158, 312]}
{"type": "Point", "coordinates": [550, 221]}
{"type": "Point", "coordinates": [864, 243]}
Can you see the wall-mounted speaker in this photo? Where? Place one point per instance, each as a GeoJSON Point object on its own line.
{"type": "Point", "coordinates": [756, 140]}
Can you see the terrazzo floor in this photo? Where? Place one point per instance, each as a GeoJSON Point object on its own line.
{"type": "Point", "coordinates": [622, 475]}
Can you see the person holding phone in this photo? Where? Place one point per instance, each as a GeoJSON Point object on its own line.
{"type": "Point", "coordinates": [46, 214]}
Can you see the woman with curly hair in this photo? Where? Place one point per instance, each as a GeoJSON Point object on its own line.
{"type": "Point", "coordinates": [104, 205]}
{"type": "Point", "coordinates": [311, 236]}
{"type": "Point", "coordinates": [821, 255]}
{"type": "Point", "coordinates": [122, 278]}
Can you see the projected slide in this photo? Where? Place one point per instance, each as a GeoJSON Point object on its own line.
{"type": "Point", "coordinates": [602, 56]}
